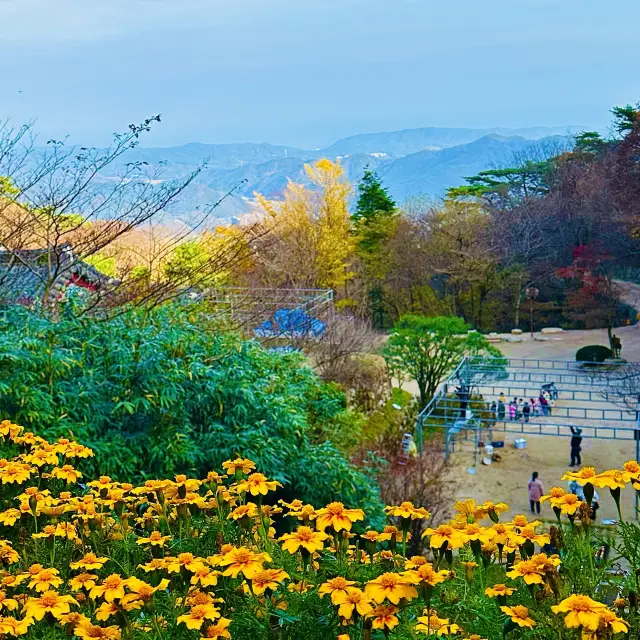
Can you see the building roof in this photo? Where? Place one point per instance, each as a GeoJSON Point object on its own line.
{"type": "Point", "coordinates": [24, 273]}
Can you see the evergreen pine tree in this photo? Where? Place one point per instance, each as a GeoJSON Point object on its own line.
{"type": "Point", "coordinates": [373, 199]}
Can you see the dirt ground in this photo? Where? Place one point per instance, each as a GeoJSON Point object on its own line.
{"type": "Point", "coordinates": [507, 479]}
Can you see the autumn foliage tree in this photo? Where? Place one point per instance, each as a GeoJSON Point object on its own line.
{"type": "Point", "coordinates": [309, 244]}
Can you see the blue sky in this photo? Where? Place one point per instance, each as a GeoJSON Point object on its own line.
{"type": "Point", "coordinates": [307, 72]}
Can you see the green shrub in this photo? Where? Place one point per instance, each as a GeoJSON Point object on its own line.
{"type": "Point", "coordinates": [593, 353]}
{"type": "Point", "coordinates": [164, 392]}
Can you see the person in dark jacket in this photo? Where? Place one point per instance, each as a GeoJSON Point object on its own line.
{"type": "Point", "coordinates": [576, 446]}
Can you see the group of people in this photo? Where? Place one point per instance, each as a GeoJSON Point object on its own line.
{"type": "Point", "coordinates": [521, 409]}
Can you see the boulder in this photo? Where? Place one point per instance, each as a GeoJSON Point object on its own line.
{"type": "Point", "coordinates": [516, 332]}
{"type": "Point", "coordinates": [514, 338]}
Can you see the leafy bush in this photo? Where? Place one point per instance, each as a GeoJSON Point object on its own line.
{"type": "Point", "coordinates": [593, 353]}
{"type": "Point", "coordinates": [196, 558]}
{"type": "Point", "coordinates": [160, 393]}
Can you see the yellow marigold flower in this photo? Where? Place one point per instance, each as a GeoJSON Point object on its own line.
{"type": "Point", "coordinates": [89, 630]}
{"type": "Point", "coordinates": [49, 602]}
{"type": "Point", "coordinates": [8, 429]}
{"type": "Point", "coordinates": [383, 617]}
{"type": "Point", "coordinates": [581, 611]}
{"type": "Point", "coordinates": [239, 464]}
{"type": "Point", "coordinates": [407, 511]}
{"type": "Point", "coordinates": [217, 630]}
{"type": "Point", "coordinates": [415, 561]}
{"type": "Point", "coordinates": [426, 574]}
{"type": "Point", "coordinates": [7, 603]}
{"type": "Point", "coordinates": [586, 475]}
{"type": "Point", "coordinates": [429, 623]}
{"type": "Point", "coordinates": [632, 468]}
{"type": "Point", "coordinates": [569, 504]}
{"type": "Point", "coordinates": [66, 472]}
{"type": "Point", "coordinates": [89, 561]}
{"type": "Point", "coordinates": [106, 610]}
{"type": "Point", "coordinates": [490, 507]}
{"type": "Point", "coordinates": [10, 516]}
{"type": "Point", "coordinates": [469, 510]}
{"type": "Point", "coordinates": [111, 588]}
{"type": "Point", "coordinates": [155, 539]}
{"type": "Point", "coordinates": [444, 535]}
{"type": "Point", "coordinates": [257, 484]}
{"type": "Point", "coordinates": [390, 586]}
{"type": "Point", "coordinates": [15, 472]}
{"type": "Point", "coordinates": [249, 510]}
{"type": "Point", "coordinates": [305, 538]}
{"type": "Point", "coordinates": [391, 532]}
{"type": "Point", "coordinates": [268, 579]}
{"type": "Point", "coordinates": [519, 615]}
{"type": "Point", "coordinates": [197, 616]}
{"type": "Point", "coordinates": [501, 533]}
{"type": "Point", "coordinates": [155, 564]}
{"type": "Point", "coordinates": [243, 560]}
{"type": "Point", "coordinates": [371, 536]}
{"type": "Point", "coordinates": [554, 496]}
{"type": "Point", "coordinates": [528, 533]}
{"type": "Point", "coordinates": [45, 580]}
{"type": "Point", "coordinates": [75, 450]}
{"type": "Point", "coordinates": [48, 532]}
{"type": "Point", "coordinates": [66, 530]}
{"type": "Point", "coordinates": [335, 515]}
{"type": "Point", "coordinates": [12, 627]}
{"type": "Point", "coordinates": [448, 628]}
{"type": "Point", "coordinates": [609, 621]}
{"type": "Point", "coordinates": [530, 571]}
{"type": "Point", "coordinates": [520, 521]}
{"type": "Point", "coordinates": [8, 555]}
{"type": "Point", "coordinates": [83, 581]}
{"type": "Point", "coordinates": [205, 576]}
{"type": "Point", "coordinates": [350, 600]}
{"type": "Point", "coordinates": [335, 587]}
{"type": "Point", "coordinates": [611, 479]}
{"type": "Point", "coordinates": [498, 591]}
{"type": "Point", "coordinates": [306, 512]}
{"type": "Point", "coordinates": [73, 619]}
{"type": "Point", "coordinates": [184, 561]}
{"type": "Point", "coordinates": [473, 532]}
{"type": "Point", "coordinates": [103, 482]}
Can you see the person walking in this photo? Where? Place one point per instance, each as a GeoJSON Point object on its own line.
{"type": "Point", "coordinates": [526, 411]}
{"type": "Point", "coordinates": [501, 411]}
{"type": "Point", "coordinates": [536, 491]}
{"type": "Point", "coordinates": [512, 410]}
{"type": "Point", "coordinates": [494, 411]}
{"type": "Point", "coordinates": [576, 446]}
{"type": "Point", "coordinates": [502, 398]}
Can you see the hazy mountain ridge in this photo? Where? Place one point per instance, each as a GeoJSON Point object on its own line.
{"type": "Point", "coordinates": [410, 162]}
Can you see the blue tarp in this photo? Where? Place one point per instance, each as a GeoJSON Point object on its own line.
{"type": "Point", "coordinates": [291, 323]}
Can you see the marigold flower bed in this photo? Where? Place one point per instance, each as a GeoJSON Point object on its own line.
{"type": "Point", "coordinates": [220, 558]}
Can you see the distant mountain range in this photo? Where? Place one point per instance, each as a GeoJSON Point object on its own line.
{"type": "Point", "coordinates": [410, 163]}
